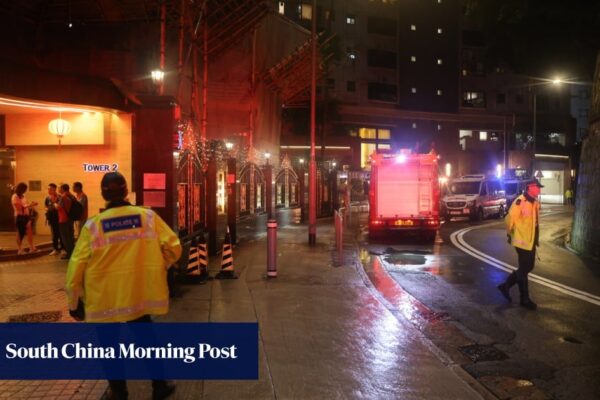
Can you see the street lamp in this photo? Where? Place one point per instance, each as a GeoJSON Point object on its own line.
{"type": "Point", "coordinates": [312, 166]}
{"type": "Point", "coordinates": [158, 78]}
{"type": "Point", "coordinates": [555, 82]}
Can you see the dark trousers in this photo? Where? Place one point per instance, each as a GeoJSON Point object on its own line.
{"type": "Point", "coordinates": [118, 388]}
{"type": "Point", "coordinates": [54, 228]}
{"type": "Point", "coordinates": [519, 277]}
{"type": "Point", "coordinates": [67, 236]}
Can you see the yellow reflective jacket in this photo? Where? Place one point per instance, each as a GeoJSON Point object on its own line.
{"type": "Point", "coordinates": [119, 265]}
{"type": "Point", "coordinates": [521, 222]}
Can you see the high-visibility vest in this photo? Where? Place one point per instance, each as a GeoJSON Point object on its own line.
{"type": "Point", "coordinates": [119, 265]}
{"type": "Point", "coordinates": [521, 222]}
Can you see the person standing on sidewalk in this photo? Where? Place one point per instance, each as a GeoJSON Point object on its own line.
{"type": "Point", "coordinates": [118, 271]}
{"type": "Point", "coordinates": [83, 200]}
{"type": "Point", "coordinates": [23, 221]}
{"type": "Point", "coordinates": [569, 197]}
{"type": "Point", "coordinates": [65, 224]}
{"type": "Point", "coordinates": [52, 217]}
{"type": "Point", "coordinates": [523, 232]}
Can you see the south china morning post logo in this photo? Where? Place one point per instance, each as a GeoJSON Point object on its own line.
{"type": "Point", "coordinates": [124, 351]}
{"type": "Point", "coordinates": [129, 351]}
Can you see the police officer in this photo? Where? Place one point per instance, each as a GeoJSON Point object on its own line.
{"type": "Point", "coordinates": [118, 270]}
{"type": "Point", "coordinates": [522, 225]}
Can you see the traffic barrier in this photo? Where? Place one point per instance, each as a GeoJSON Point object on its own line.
{"type": "Point", "coordinates": [198, 259]}
{"type": "Point", "coordinates": [227, 269]}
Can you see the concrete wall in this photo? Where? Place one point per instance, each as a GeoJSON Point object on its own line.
{"type": "Point", "coordinates": [585, 236]}
{"type": "Point", "coordinates": [49, 163]}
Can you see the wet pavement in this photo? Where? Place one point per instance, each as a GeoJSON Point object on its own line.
{"type": "Point", "coordinates": [553, 352]}
{"type": "Point", "coordinates": [325, 331]}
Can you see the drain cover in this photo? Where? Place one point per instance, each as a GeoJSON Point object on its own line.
{"type": "Point", "coordinates": [477, 352]}
{"type": "Point", "coordinates": [46, 316]}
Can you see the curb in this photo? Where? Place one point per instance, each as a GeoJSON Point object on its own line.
{"type": "Point", "coordinates": [11, 254]}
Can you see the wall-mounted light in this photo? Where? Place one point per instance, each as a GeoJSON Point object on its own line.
{"type": "Point", "coordinates": [448, 170]}
{"type": "Point", "coordinates": [158, 76]}
{"type": "Point", "coordinates": [59, 128]}
{"type": "Point", "coordinates": [228, 145]}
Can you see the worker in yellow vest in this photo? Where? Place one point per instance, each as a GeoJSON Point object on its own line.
{"type": "Point", "coordinates": [522, 225]}
{"type": "Point", "coordinates": [118, 270]}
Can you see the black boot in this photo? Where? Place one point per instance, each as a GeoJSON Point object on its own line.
{"type": "Point", "coordinates": [504, 288]}
{"type": "Point", "coordinates": [525, 300]}
{"type": "Point", "coordinates": [162, 389]}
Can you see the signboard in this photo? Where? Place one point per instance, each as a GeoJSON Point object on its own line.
{"type": "Point", "coordinates": [154, 199]}
{"type": "Point", "coordinates": [90, 167]}
{"type": "Point", "coordinates": [155, 181]}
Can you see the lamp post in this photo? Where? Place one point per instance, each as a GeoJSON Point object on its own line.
{"type": "Point", "coordinates": [231, 192]}
{"type": "Point", "coordinates": [268, 174]}
{"type": "Point", "coordinates": [555, 82]}
{"type": "Point", "coordinates": [312, 166]}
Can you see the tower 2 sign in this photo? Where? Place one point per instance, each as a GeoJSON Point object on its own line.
{"type": "Point", "coordinates": [88, 167]}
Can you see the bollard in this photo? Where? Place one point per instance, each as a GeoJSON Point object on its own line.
{"type": "Point", "coordinates": [341, 240]}
{"type": "Point", "coordinates": [339, 235]}
{"type": "Point", "coordinates": [271, 248]}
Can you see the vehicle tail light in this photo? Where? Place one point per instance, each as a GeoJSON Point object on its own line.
{"type": "Point", "coordinates": [377, 222]}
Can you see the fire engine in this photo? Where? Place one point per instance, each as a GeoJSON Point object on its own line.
{"type": "Point", "coordinates": [404, 194]}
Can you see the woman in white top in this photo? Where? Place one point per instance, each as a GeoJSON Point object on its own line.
{"type": "Point", "coordinates": [21, 209]}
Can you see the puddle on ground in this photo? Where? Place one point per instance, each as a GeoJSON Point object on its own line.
{"type": "Point", "coordinates": [406, 259]}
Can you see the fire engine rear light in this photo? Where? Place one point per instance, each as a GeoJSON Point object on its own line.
{"type": "Point", "coordinates": [377, 222]}
{"type": "Point", "coordinates": [432, 222]}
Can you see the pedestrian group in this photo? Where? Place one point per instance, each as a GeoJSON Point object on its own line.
{"type": "Point", "coordinates": [65, 214]}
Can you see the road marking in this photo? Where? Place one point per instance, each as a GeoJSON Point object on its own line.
{"type": "Point", "coordinates": [457, 238]}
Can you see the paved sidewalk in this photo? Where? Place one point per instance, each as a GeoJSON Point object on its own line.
{"type": "Point", "coordinates": [323, 332]}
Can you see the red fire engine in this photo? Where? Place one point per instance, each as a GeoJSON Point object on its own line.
{"type": "Point", "coordinates": [404, 194]}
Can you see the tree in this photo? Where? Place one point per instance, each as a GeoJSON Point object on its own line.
{"type": "Point", "coordinates": [539, 37]}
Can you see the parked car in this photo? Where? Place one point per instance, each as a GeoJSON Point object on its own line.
{"type": "Point", "coordinates": [474, 196]}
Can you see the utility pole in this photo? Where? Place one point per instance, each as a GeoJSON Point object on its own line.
{"type": "Point", "coordinates": [312, 168]}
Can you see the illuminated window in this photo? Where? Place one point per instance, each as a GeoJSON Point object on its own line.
{"type": "Point", "coordinates": [367, 133]}
{"type": "Point", "coordinates": [473, 99]}
{"type": "Point", "coordinates": [350, 19]}
{"type": "Point", "coordinates": [414, 125]}
{"type": "Point", "coordinates": [439, 92]}
{"type": "Point", "coordinates": [281, 7]}
{"type": "Point", "coordinates": [439, 61]}
{"type": "Point", "coordinates": [413, 90]}
{"type": "Point", "coordinates": [439, 127]}
{"type": "Point", "coordinates": [439, 31]}
{"type": "Point", "coordinates": [413, 58]}
{"type": "Point", "coordinates": [384, 146]}
{"type": "Point", "coordinates": [366, 149]}
{"type": "Point", "coordinates": [483, 136]}
{"type": "Point", "coordinates": [413, 27]}
{"type": "Point", "coordinates": [384, 134]}
{"type": "Point", "coordinates": [305, 11]}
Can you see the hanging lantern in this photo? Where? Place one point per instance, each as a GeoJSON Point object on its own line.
{"type": "Point", "coordinates": [59, 128]}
